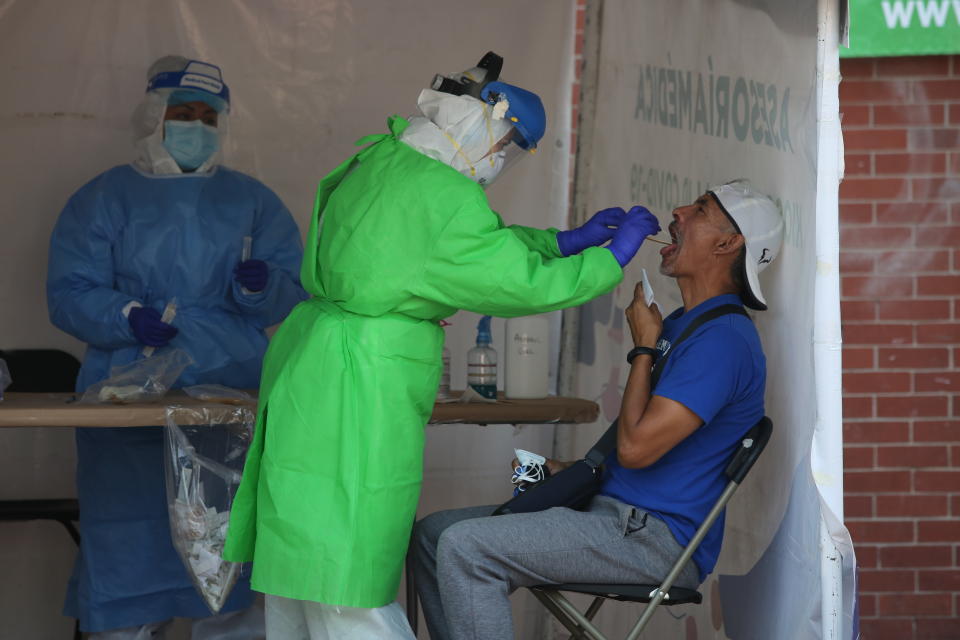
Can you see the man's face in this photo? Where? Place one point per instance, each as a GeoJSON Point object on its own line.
{"type": "Point", "coordinates": [189, 111]}
{"type": "Point", "coordinates": [696, 231]}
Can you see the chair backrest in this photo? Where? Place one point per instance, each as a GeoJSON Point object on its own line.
{"type": "Point", "coordinates": [751, 446]}
{"type": "Point", "coordinates": [41, 370]}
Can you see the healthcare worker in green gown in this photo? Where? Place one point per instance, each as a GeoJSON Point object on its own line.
{"type": "Point", "coordinates": [401, 237]}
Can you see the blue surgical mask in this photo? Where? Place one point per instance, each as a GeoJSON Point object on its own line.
{"type": "Point", "coordinates": [190, 143]}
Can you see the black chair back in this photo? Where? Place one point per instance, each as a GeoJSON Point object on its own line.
{"type": "Point", "coordinates": [41, 370]}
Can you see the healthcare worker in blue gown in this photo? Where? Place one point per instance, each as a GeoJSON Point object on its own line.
{"type": "Point", "coordinates": [172, 224]}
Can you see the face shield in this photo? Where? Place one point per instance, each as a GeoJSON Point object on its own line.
{"type": "Point", "coordinates": [172, 81]}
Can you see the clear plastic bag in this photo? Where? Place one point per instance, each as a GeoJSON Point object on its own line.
{"type": "Point", "coordinates": [5, 378]}
{"type": "Point", "coordinates": [219, 393]}
{"type": "Point", "coordinates": [145, 380]}
{"type": "Point", "coordinates": [203, 458]}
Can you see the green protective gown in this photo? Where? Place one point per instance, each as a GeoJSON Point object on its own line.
{"type": "Point", "coordinates": [333, 475]}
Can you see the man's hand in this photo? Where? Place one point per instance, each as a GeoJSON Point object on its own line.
{"type": "Point", "coordinates": [645, 322]}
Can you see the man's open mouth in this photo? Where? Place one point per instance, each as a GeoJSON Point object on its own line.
{"type": "Point", "coordinates": [675, 241]}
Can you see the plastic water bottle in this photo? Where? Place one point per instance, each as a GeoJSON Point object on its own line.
{"type": "Point", "coordinates": [443, 391]}
{"type": "Point", "coordinates": [482, 362]}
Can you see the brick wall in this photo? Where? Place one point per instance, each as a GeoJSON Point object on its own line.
{"type": "Point", "coordinates": [900, 288]}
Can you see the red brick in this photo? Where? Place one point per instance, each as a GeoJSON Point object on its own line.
{"type": "Point", "coordinates": [913, 163]}
{"type": "Point", "coordinates": [858, 507]}
{"type": "Point", "coordinates": [942, 381]}
{"type": "Point", "coordinates": [934, 138]}
{"type": "Point", "coordinates": [911, 505]}
{"type": "Point", "coordinates": [954, 168]}
{"type": "Point", "coordinates": [581, 19]}
{"type": "Point", "coordinates": [938, 580]}
{"type": "Point", "coordinates": [938, 333]}
{"type": "Point", "coordinates": [955, 114]}
{"type": "Point", "coordinates": [875, 287]}
{"type": "Point", "coordinates": [882, 382]}
{"type": "Point", "coordinates": [955, 506]}
{"type": "Point", "coordinates": [912, 456]}
{"type": "Point", "coordinates": [856, 212]}
{"type": "Point", "coordinates": [938, 628]}
{"type": "Point", "coordinates": [948, 481]}
{"type": "Point", "coordinates": [867, 556]}
{"type": "Point", "coordinates": [914, 310]}
{"type": "Point", "coordinates": [867, 604]}
{"type": "Point", "coordinates": [914, 66]}
{"type": "Point", "coordinates": [876, 481]}
{"type": "Point", "coordinates": [930, 90]}
{"type": "Point", "coordinates": [858, 457]}
{"type": "Point", "coordinates": [854, 115]}
{"type": "Point", "coordinates": [875, 432]}
{"type": "Point", "coordinates": [937, 431]}
{"type": "Point", "coordinates": [874, 189]}
{"type": "Point", "coordinates": [912, 358]}
{"type": "Point", "coordinates": [921, 604]}
{"type": "Point", "coordinates": [940, 531]}
{"type": "Point", "coordinates": [899, 262]}
{"type": "Point", "coordinates": [915, 212]}
{"type": "Point", "coordinates": [857, 407]}
{"type": "Point", "coordinates": [909, 114]}
{"type": "Point", "coordinates": [857, 358]}
{"type": "Point", "coordinates": [939, 286]}
{"type": "Point", "coordinates": [869, 237]}
{"type": "Point", "coordinates": [885, 628]}
{"type": "Point", "coordinates": [875, 139]}
{"type": "Point", "coordinates": [856, 68]}
{"type": "Point", "coordinates": [916, 556]}
{"type": "Point", "coordinates": [880, 531]}
{"type": "Point", "coordinates": [887, 579]}
{"type": "Point", "coordinates": [877, 333]}
{"type": "Point", "coordinates": [936, 188]}
{"type": "Point", "coordinates": [858, 311]}
{"type": "Point", "coordinates": [911, 406]}
{"type": "Point", "coordinates": [874, 91]}
{"type": "Point", "coordinates": [856, 164]}
{"type": "Point", "coordinates": [940, 236]}
{"type": "Point", "coordinates": [856, 262]}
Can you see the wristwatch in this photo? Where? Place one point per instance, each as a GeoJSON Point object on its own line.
{"type": "Point", "coordinates": [638, 351]}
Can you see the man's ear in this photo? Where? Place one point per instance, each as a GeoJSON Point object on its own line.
{"type": "Point", "coordinates": [732, 243]}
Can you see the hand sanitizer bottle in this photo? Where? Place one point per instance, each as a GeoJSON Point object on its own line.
{"type": "Point", "coordinates": [482, 362]}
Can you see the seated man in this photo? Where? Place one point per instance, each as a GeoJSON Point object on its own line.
{"type": "Point", "coordinates": [672, 444]}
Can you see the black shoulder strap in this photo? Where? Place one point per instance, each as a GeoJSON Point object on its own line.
{"type": "Point", "coordinates": [608, 441]}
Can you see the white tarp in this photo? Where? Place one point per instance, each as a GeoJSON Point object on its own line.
{"type": "Point", "coordinates": [692, 93]}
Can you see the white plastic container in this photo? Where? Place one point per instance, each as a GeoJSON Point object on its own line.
{"type": "Point", "coordinates": [527, 358]}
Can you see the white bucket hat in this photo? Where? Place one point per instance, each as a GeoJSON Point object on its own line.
{"type": "Point", "coordinates": [757, 218]}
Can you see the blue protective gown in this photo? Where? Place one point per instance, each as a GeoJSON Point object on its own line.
{"type": "Point", "coordinates": [130, 236]}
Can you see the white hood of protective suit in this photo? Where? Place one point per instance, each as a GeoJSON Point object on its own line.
{"type": "Point", "coordinates": [152, 156]}
{"type": "Point", "coordinates": [449, 121]}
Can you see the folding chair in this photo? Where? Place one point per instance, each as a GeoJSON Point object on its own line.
{"type": "Point", "coordinates": [580, 624]}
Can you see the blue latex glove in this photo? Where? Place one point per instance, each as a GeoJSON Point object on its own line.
{"type": "Point", "coordinates": [637, 224]}
{"type": "Point", "coordinates": [148, 328]}
{"type": "Point", "coordinates": [252, 275]}
{"type": "Point", "coordinates": [593, 233]}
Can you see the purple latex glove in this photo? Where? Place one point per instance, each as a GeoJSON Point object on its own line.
{"type": "Point", "coordinates": [148, 328]}
{"type": "Point", "coordinates": [252, 275]}
{"type": "Point", "coordinates": [637, 224]}
{"type": "Point", "coordinates": [593, 233]}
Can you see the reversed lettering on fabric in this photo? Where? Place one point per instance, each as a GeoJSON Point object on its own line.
{"type": "Point", "coordinates": [201, 82]}
{"type": "Point", "coordinates": [715, 105]}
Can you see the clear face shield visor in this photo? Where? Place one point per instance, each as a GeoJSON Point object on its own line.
{"type": "Point", "coordinates": [503, 155]}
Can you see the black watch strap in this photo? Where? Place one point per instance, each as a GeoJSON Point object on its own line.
{"type": "Point", "coordinates": [641, 351]}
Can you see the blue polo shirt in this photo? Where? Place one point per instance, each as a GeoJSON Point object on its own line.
{"type": "Point", "coordinates": [719, 373]}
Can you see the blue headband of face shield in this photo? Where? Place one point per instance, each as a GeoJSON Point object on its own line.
{"type": "Point", "coordinates": [525, 112]}
{"type": "Point", "coordinates": [199, 77]}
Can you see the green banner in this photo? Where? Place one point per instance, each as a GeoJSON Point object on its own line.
{"type": "Point", "coordinates": [903, 28]}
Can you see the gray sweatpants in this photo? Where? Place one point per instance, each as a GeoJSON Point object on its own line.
{"type": "Point", "coordinates": [467, 565]}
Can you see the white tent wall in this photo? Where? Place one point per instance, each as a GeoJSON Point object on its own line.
{"type": "Point", "coordinates": [688, 94]}
{"type": "Point", "coordinates": [308, 78]}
